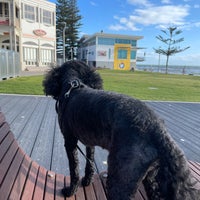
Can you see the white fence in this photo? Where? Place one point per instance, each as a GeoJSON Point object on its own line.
{"type": "Point", "coordinates": [9, 64]}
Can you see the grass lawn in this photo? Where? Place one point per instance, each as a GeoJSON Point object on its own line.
{"type": "Point", "coordinates": [141, 85]}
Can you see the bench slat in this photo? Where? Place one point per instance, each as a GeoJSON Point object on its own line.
{"type": "Point", "coordinates": [4, 129]}
{"type": "Point", "coordinates": [40, 184]}
{"type": "Point", "coordinates": [59, 185]}
{"type": "Point", "coordinates": [30, 182]}
{"type": "Point", "coordinates": [5, 145]}
{"type": "Point", "coordinates": [20, 179]}
{"type": "Point", "coordinates": [2, 118]}
{"type": "Point", "coordinates": [50, 186]}
{"type": "Point", "coordinates": [89, 192]}
{"type": "Point", "coordinates": [6, 162]}
{"type": "Point", "coordinates": [67, 181]}
{"type": "Point", "coordinates": [11, 175]}
{"type": "Point", "coordinates": [99, 190]}
{"type": "Point", "coordinates": [80, 194]}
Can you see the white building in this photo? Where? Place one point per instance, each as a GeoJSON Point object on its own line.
{"type": "Point", "coordinates": [29, 26]}
{"type": "Point", "coordinates": [112, 51]}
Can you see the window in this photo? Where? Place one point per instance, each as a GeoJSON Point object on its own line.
{"type": "Point", "coordinates": [4, 11]}
{"type": "Point", "coordinates": [46, 56]}
{"type": "Point", "coordinates": [47, 17]}
{"type": "Point", "coordinates": [125, 41]}
{"type": "Point", "coordinates": [30, 54]}
{"type": "Point", "coordinates": [122, 54]}
{"type": "Point", "coordinates": [29, 12]}
{"type": "Point", "coordinates": [1, 9]}
{"type": "Point", "coordinates": [17, 12]}
{"type": "Point", "coordinates": [133, 54]}
{"type": "Point", "coordinates": [106, 41]}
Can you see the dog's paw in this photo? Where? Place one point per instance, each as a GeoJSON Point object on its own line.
{"type": "Point", "coordinates": [68, 191]}
{"type": "Point", "coordinates": [86, 181]}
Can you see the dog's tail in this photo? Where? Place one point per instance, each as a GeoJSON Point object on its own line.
{"type": "Point", "coordinates": [173, 172]}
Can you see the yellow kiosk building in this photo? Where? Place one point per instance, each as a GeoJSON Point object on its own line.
{"type": "Point", "coordinates": [112, 51]}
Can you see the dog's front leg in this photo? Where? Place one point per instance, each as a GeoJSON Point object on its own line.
{"type": "Point", "coordinates": [89, 169]}
{"type": "Point", "coordinates": [72, 153]}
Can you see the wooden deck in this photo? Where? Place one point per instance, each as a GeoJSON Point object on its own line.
{"type": "Point", "coordinates": [33, 120]}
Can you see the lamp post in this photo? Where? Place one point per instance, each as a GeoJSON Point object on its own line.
{"type": "Point", "coordinates": [64, 29]}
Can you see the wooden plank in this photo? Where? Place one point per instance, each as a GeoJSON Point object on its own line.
{"type": "Point", "coordinates": [195, 170]}
{"type": "Point", "coordinates": [4, 129]}
{"type": "Point", "coordinates": [89, 193]}
{"type": "Point", "coordinates": [60, 179]}
{"type": "Point", "coordinates": [40, 184]}
{"type": "Point", "coordinates": [6, 162]}
{"type": "Point", "coordinates": [2, 117]}
{"type": "Point", "coordinates": [98, 188]}
{"type": "Point", "coordinates": [10, 103]}
{"type": "Point", "coordinates": [180, 126]}
{"type": "Point", "coordinates": [42, 149]}
{"type": "Point", "coordinates": [30, 131]}
{"type": "Point", "coordinates": [30, 182]}
{"type": "Point", "coordinates": [80, 194]}
{"type": "Point", "coordinates": [67, 182]}
{"type": "Point", "coordinates": [5, 145]}
{"type": "Point", "coordinates": [59, 157]}
{"type": "Point", "coordinates": [11, 175]}
{"type": "Point", "coordinates": [20, 179]}
{"type": "Point", "coordinates": [50, 186]}
{"type": "Point", "coordinates": [22, 116]}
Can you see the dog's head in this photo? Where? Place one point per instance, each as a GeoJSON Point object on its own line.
{"type": "Point", "coordinates": [58, 77]}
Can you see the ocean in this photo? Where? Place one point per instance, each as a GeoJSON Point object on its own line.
{"type": "Point", "coordinates": [172, 69]}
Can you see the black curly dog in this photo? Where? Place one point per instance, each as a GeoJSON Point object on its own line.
{"type": "Point", "coordinates": [140, 149]}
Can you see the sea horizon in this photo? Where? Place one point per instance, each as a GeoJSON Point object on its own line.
{"type": "Point", "coordinates": [172, 69]}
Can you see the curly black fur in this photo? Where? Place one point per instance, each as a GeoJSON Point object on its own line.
{"type": "Point", "coordinates": [138, 143]}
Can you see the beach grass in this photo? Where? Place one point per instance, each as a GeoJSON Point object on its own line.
{"type": "Point", "coordinates": [138, 84]}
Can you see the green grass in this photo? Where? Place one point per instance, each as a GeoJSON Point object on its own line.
{"type": "Point", "coordinates": [153, 86]}
{"type": "Point", "coordinates": [22, 85]}
{"type": "Point", "coordinates": [141, 85]}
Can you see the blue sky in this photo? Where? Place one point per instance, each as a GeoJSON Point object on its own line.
{"type": "Point", "coordinates": [146, 18]}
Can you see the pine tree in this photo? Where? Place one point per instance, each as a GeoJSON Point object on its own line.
{"type": "Point", "coordinates": [170, 42]}
{"type": "Point", "coordinates": [68, 21]}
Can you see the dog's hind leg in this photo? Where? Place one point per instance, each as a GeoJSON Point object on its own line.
{"type": "Point", "coordinates": [72, 153]}
{"type": "Point", "coordinates": [90, 167]}
{"type": "Point", "coordinates": [126, 169]}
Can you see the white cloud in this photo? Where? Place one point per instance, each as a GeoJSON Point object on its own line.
{"type": "Point", "coordinates": [117, 27]}
{"type": "Point", "coordinates": [154, 15]}
{"type": "Point", "coordinates": [139, 2]}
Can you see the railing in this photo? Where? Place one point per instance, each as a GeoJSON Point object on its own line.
{"type": "Point", "coordinates": [9, 64]}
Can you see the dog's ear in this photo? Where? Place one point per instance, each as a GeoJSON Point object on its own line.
{"type": "Point", "coordinates": [87, 74]}
{"type": "Point", "coordinates": [93, 79]}
{"type": "Point", "coordinates": [52, 82]}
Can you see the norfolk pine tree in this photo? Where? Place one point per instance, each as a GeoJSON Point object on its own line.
{"type": "Point", "coordinates": [170, 43]}
{"type": "Point", "coordinates": [67, 14]}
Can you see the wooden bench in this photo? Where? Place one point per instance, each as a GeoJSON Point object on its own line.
{"type": "Point", "coordinates": [22, 178]}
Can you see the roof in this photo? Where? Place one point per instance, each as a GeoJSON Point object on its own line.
{"type": "Point", "coordinates": [109, 35]}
